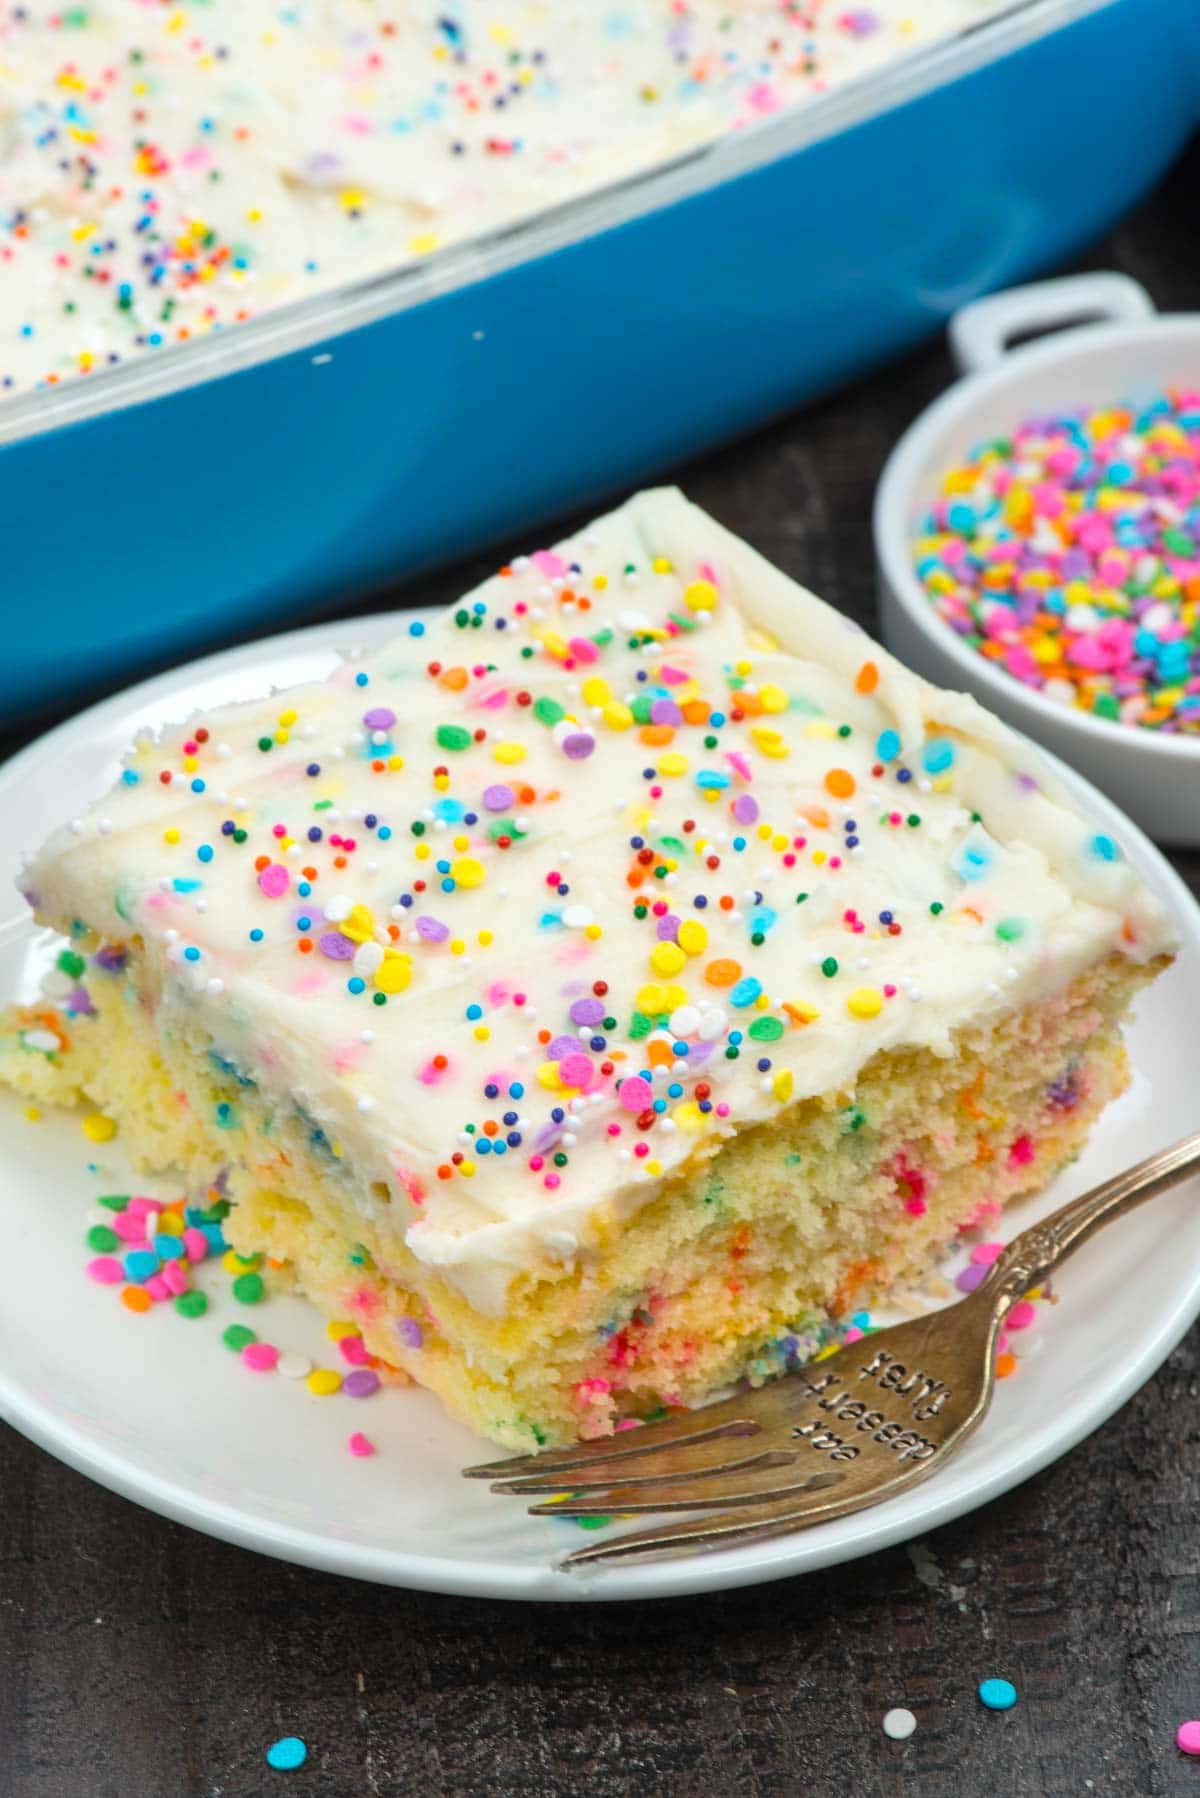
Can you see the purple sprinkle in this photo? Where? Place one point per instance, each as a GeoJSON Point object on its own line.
{"type": "Point", "coordinates": [745, 808]}
{"type": "Point", "coordinates": [665, 711]}
{"type": "Point", "coordinates": [432, 930]}
{"type": "Point", "coordinates": [562, 1045]}
{"type": "Point", "coordinates": [579, 746]}
{"type": "Point", "coordinates": [971, 1277]}
{"type": "Point", "coordinates": [409, 1331]}
{"type": "Point", "coordinates": [361, 1383]}
{"type": "Point", "coordinates": [498, 799]}
{"type": "Point", "coordinates": [586, 1012]}
{"type": "Point", "coordinates": [80, 1003]}
{"type": "Point", "coordinates": [336, 946]}
{"type": "Point", "coordinates": [380, 717]}
{"type": "Point", "coordinates": [546, 1137]}
{"type": "Point", "coordinates": [110, 958]}
{"type": "Point", "coordinates": [667, 929]}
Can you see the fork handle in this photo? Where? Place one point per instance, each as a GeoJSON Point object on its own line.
{"type": "Point", "coordinates": [1036, 1252]}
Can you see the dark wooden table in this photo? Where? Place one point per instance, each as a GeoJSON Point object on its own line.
{"type": "Point", "coordinates": [138, 1660]}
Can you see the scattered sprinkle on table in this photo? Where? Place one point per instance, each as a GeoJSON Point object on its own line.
{"type": "Point", "coordinates": [899, 1724]}
{"type": "Point", "coordinates": [1068, 554]}
{"type": "Point", "coordinates": [360, 1445]}
{"type": "Point", "coordinates": [1187, 1737]}
{"type": "Point", "coordinates": [997, 1694]}
{"type": "Point", "coordinates": [287, 1753]}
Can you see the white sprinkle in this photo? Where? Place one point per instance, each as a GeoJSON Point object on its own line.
{"type": "Point", "coordinates": [365, 1102]}
{"type": "Point", "coordinates": [215, 986]}
{"type": "Point", "coordinates": [899, 1725]}
{"type": "Point", "coordinates": [224, 752]}
{"type": "Point", "coordinates": [293, 1367]}
{"type": "Point", "coordinates": [367, 1036]}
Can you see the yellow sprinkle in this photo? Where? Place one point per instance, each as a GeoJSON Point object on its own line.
{"type": "Point", "coordinates": [596, 690]}
{"type": "Point", "coordinates": [32, 1113]}
{"type": "Point", "coordinates": [661, 565]}
{"type": "Point", "coordinates": [395, 763]}
{"type": "Point", "coordinates": [820, 729]}
{"type": "Point", "coordinates": [617, 716]}
{"type": "Point", "coordinates": [667, 958]}
{"type": "Point", "coordinates": [651, 999]}
{"type": "Point", "coordinates": [394, 972]}
{"type": "Point", "coordinates": [509, 752]}
{"type": "Point", "coordinates": [689, 1116]}
{"type": "Point", "coordinates": [593, 932]}
{"type": "Point", "coordinates": [466, 1169]}
{"type": "Point", "coordinates": [462, 843]}
{"type": "Point", "coordinates": [481, 1033]}
{"type": "Point", "coordinates": [99, 1128]}
{"type": "Point", "coordinates": [287, 718]}
{"type": "Point", "coordinates": [457, 946]}
{"type": "Point", "coordinates": [779, 840]}
{"type": "Point", "coordinates": [672, 762]}
{"type": "Point", "coordinates": [485, 939]}
{"type": "Point", "coordinates": [700, 596]}
{"type": "Point", "coordinates": [865, 1002]}
{"type": "Point", "coordinates": [359, 925]}
{"type": "Point", "coordinates": [423, 244]}
{"type": "Point", "coordinates": [772, 698]}
{"type": "Point", "coordinates": [744, 668]}
{"type": "Point", "coordinates": [549, 1076]}
{"type": "Point", "coordinates": [323, 1382]}
{"type": "Point", "coordinates": [769, 741]}
{"type": "Point", "coordinates": [169, 1223]}
{"type": "Point", "coordinates": [819, 858]}
{"type": "Point", "coordinates": [190, 764]}
{"type": "Point", "coordinates": [339, 1328]}
{"type": "Point", "coordinates": [764, 832]}
{"type": "Point", "coordinates": [693, 937]}
{"type": "Point", "coordinates": [467, 871]}
{"type": "Point", "coordinates": [233, 1263]}
{"type": "Point", "coordinates": [600, 582]}
{"type": "Point", "coordinates": [171, 835]}
{"type": "Point", "coordinates": [653, 1166]}
{"type": "Point", "coordinates": [783, 1084]}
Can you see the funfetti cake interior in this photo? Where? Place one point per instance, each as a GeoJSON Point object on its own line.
{"type": "Point", "coordinates": [599, 992]}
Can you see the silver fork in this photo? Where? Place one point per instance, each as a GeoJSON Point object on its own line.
{"type": "Point", "coordinates": [835, 1436]}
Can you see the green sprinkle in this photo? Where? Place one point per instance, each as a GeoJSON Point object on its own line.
{"type": "Point", "coordinates": [800, 898]}
{"type": "Point", "coordinates": [115, 1201]}
{"type": "Point", "coordinates": [264, 743]}
{"type": "Point", "coordinates": [766, 1030]}
{"type": "Point", "coordinates": [248, 1288]}
{"type": "Point", "coordinates": [71, 963]}
{"type": "Point", "coordinates": [548, 711]}
{"type": "Point", "coordinates": [1106, 705]}
{"type": "Point", "coordinates": [937, 908]}
{"type": "Point", "coordinates": [102, 1239]}
{"type": "Point", "coordinates": [592, 1523]}
{"type": "Point", "coordinates": [237, 1336]}
{"type": "Point", "coordinates": [453, 736]}
{"type": "Point", "coordinates": [1010, 930]}
{"type": "Point", "coordinates": [829, 967]}
{"type": "Point", "coordinates": [195, 1304]}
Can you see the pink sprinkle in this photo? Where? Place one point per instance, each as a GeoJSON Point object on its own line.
{"type": "Point", "coordinates": [536, 1164]}
{"type": "Point", "coordinates": [1021, 1316]}
{"type": "Point", "coordinates": [128, 1227]}
{"type": "Point", "coordinates": [354, 1350]}
{"type": "Point", "coordinates": [547, 563]}
{"type": "Point", "coordinates": [1187, 1738]}
{"type": "Point", "coordinates": [853, 1334]}
{"type": "Point", "coordinates": [641, 1149]}
{"type": "Point", "coordinates": [105, 1269]}
{"type": "Point", "coordinates": [360, 1445]}
{"type": "Point", "coordinates": [584, 650]}
{"type": "Point", "coordinates": [174, 1278]}
{"type": "Point", "coordinates": [1022, 1152]}
{"type": "Point", "coordinates": [552, 1182]}
{"type": "Point", "coordinates": [984, 1253]}
{"type": "Point", "coordinates": [143, 1207]}
{"type": "Point", "coordinates": [274, 880]}
{"type": "Point", "coordinates": [722, 1110]}
{"type": "Point", "coordinates": [260, 1357]}
{"type": "Point", "coordinates": [195, 1243]}
{"type": "Point", "coordinates": [635, 1094]}
{"type": "Point", "coordinates": [157, 1287]}
{"type": "Point", "coordinates": [671, 677]}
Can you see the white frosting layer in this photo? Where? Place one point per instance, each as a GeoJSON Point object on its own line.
{"type": "Point", "coordinates": [167, 170]}
{"type": "Point", "coordinates": [871, 862]}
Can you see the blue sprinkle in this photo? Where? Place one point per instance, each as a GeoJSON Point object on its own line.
{"type": "Point", "coordinates": [360, 680]}
{"type": "Point", "coordinates": [938, 755]}
{"type": "Point", "coordinates": [256, 935]}
{"type": "Point", "coordinates": [416, 628]}
{"type": "Point", "coordinates": [356, 985]}
{"type": "Point", "coordinates": [130, 777]}
{"type": "Point", "coordinates": [887, 745]}
{"type": "Point", "coordinates": [168, 1248]}
{"type": "Point", "coordinates": [191, 954]}
{"type": "Point", "coordinates": [1104, 848]}
{"type": "Point", "coordinates": [204, 853]}
{"type": "Point", "coordinates": [286, 1754]}
{"type": "Point", "coordinates": [746, 991]}
{"type": "Point", "coordinates": [141, 1265]}
{"type": "Point", "coordinates": [998, 1694]}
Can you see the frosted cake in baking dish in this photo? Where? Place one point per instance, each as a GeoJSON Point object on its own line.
{"type": "Point", "coordinates": [599, 991]}
{"type": "Point", "coordinates": [170, 169]}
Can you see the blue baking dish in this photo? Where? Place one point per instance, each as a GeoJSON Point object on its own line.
{"type": "Point", "coordinates": [333, 445]}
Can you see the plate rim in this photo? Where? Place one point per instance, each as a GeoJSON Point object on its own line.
{"type": "Point", "coordinates": [867, 1532]}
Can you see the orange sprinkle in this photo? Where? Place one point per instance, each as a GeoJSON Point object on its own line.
{"type": "Point", "coordinates": [453, 678]}
{"type": "Point", "coordinates": [723, 972]}
{"type": "Point", "coordinates": [695, 711]}
{"type": "Point", "coordinates": [659, 1055]}
{"type": "Point", "coordinates": [136, 1298]}
{"type": "Point", "coordinates": [816, 815]}
{"type": "Point", "coordinates": [840, 782]}
{"type": "Point", "coordinates": [305, 945]}
{"type": "Point", "coordinates": [867, 678]}
{"type": "Point", "coordinates": [1005, 1364]}
{"type": "Point", "coordinates": [656, 735]}
{"type": "Point", "coordinates": [261, 862]}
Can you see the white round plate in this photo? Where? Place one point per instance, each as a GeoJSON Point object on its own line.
{"type": "Point", "coordinates": [156, 1408]}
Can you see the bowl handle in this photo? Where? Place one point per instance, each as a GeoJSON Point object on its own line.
{"type": "Point", "coordinates": [981, 332]}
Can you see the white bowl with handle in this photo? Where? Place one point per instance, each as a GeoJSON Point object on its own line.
{"type": "Point", "coordinates": [1125, 352]}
